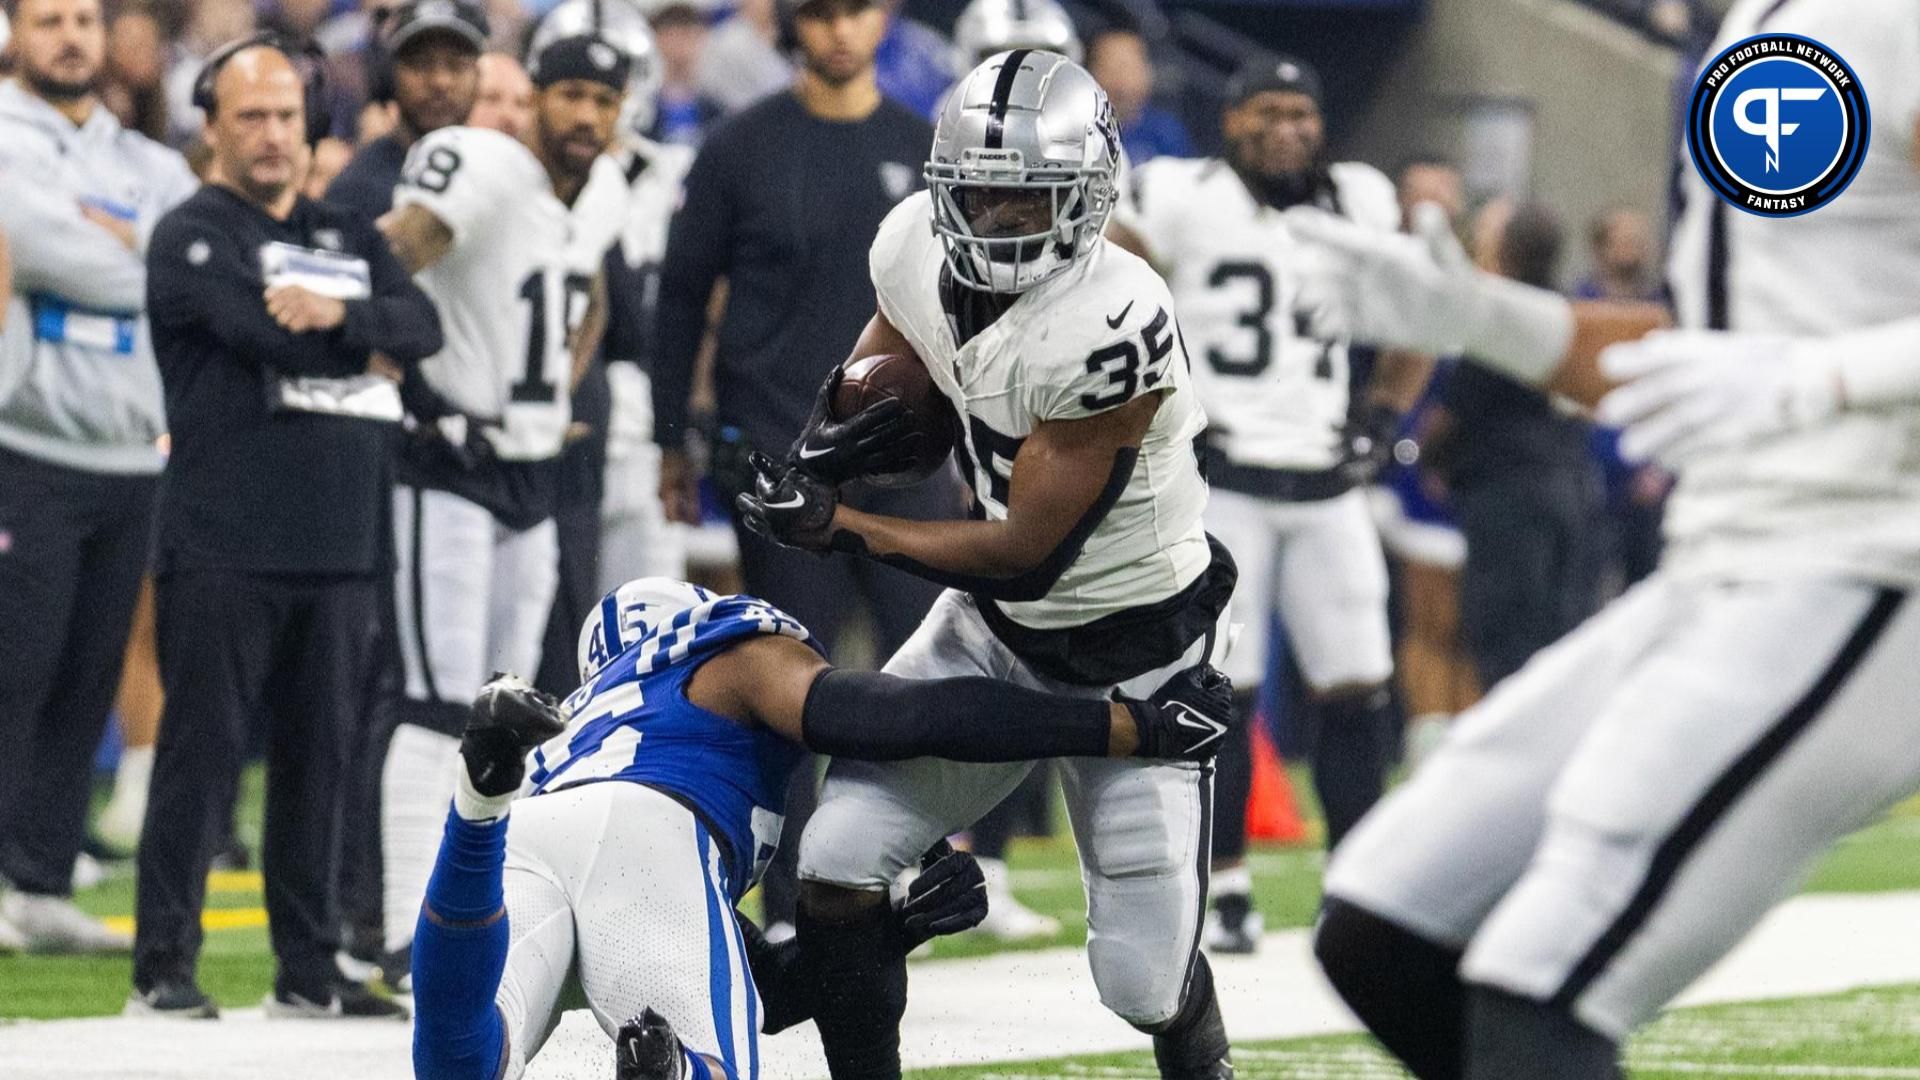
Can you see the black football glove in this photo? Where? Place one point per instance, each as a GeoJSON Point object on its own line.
{"type": "Point", "coordinates": [867, 443]}
{"type": "Point", "coordinates": [509, 718]}
{"type": "Point", "coordinates": [1367, 443]}
{"type": "Point", "coordinates": [788, 506]}
{"type": "Point", "coordinates": [1187, 719]}
{"type": "Point", "coordinates": [949, 896]}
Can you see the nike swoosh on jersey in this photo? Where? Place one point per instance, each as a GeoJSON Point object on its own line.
{"type": "Point", "coordinates": [1114, 321]}
{"type": "Point", "coordinates": [795, 502]}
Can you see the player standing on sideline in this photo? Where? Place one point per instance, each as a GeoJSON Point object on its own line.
{"type": "Point", "coordinates": [80, 410]}
{"type": "Point", "coordinates": [1288, 454]}
{"type": "Point", "coordinates": [1087, 573]}
{"type": "Point", "coordinates": [700, 704]}
{"type": "Point", "coordinates": [276, 322]}
{"type": "Point", "coordinates": [507, 237]}
{"type": "Point", "coordinates": [1614, 818]}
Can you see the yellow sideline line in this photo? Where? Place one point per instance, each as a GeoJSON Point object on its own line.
{"type": "Point", "coordinates": [210, 919]}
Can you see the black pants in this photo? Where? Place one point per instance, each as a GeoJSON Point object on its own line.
{"type": "Point", "coordinates": [1534, 553]}
{"type": "Point", "coordinates": [578, 529]}
{"type": "Point", "coordinates": [295, 651]}
{"type": "Point", "coordinates": [73, 545]}
{"type": "Point", "coordinates": [824, 593]}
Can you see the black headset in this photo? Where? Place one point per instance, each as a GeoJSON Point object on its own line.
{"type": "Point", "coordinates": [308, 60]}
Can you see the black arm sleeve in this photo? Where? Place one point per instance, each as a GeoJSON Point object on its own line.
{"type": "Point", "coordinates": [1037, 582]}
{"type": "Point", "coordinates": [869, 716]}
{"type": "Point", "coordinates": [698, 250]}
{"type": "Point", "coordinates": [786, 995]}
{"type": "Point", "coordinates": [398, 320]}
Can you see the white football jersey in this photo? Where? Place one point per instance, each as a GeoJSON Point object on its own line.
{"type": "Point", "coordinates": [1275, 397]}
{"type": "Point", "coordinates": [1090, 339]}
{"type": "Point", "coordinates": [516, 282]}
{"type": "Point", "coordinates": [1843, 497]}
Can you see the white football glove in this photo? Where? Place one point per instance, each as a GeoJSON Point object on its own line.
{"type": "Point", "coordinates": [1689, 391]}
{"type": "Point", "coordinates": [1422, 292]}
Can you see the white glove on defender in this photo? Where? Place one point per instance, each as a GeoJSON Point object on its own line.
{"type": "Point", "coordinates": [1422, 292]}
{"type": "Point", "coordinates": [1688, 391]}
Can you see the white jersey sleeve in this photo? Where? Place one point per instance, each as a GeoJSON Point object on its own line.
{"type": "Point", "coordinates": [1367, 196]}
{"type": "Point", "coordinates": [463, 176]}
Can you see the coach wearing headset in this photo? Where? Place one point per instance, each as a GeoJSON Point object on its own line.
{"type": "Point", "coordinates": [267, 310]}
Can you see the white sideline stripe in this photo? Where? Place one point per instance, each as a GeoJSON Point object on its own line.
{"type": "Point", "coordinates": [1010, 1007]}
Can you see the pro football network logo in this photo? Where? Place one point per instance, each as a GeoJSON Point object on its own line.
{"type": "Point", "coordinates": [1778, 125]}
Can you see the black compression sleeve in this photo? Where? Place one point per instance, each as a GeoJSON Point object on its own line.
{"type": "Point", "coordinates": [1037, 582]}
{"type": "Point", "coordinates": [868, 716]}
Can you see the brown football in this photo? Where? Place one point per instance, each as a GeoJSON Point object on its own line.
{"type": "Point", "coordinates": [936, 429]}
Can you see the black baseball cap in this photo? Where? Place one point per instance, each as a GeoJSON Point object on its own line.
{"type": "Point", "coordinates": [791, 8]}
{"type": "Point", "coordinates": [1285, 74]}
{"type": "Point", "coordinates": [416, 19]}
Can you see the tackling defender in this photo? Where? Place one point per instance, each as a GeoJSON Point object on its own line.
{"type": "Point", "coordinates": [698, 705]}
{"type": "Point", "coordinates": [1615, 817]}
{"type": "Point", "coordinates": [1088, 571]}
{"type": "Point", "coordinates": [507, 237]}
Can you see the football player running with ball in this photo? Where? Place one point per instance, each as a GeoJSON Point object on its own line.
{"type": "Point", "coordinates": [652, 804]}
{"type": "Point", "coordinates": [1086, 571]}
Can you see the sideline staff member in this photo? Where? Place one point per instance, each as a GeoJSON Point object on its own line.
{"type": "Point", "coordinates": [266, 310]}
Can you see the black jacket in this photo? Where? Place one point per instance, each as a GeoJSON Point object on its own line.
{"type": "Point", "coordinates": [248, 488]}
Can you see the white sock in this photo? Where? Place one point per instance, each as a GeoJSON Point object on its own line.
{"type": "Point", "coordinates": [416, 784]}
{"type": "Point", "coordinates": [134, 773]}
{"type": "Point", "coordinates": [472, 805]}
{"type": "Point", "coordinates": [1233, 881]}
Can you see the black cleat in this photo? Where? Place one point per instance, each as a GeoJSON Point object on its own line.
{"type": "Point", "coordinates": [509, 718]}
{"type": "Point", "coordinates": [647, 1049]}
{"type": "Point", "coordinates": [1233, 927]}
{"type": "Point", "coordinates": [337, 998]}
{"type": "Point", "coordinates": [177, 999]}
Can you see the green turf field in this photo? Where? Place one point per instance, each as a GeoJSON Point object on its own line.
{"type": "Point", "coordinates": [1868, 1033]}
{"type": "Point", "coordinates": [236, 966]}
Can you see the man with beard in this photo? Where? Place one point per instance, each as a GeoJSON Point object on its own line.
{"type": "Point", "coordinates": [277, 322]}
{"type": "Point", "coordinates": [78, 465]}
{"type": "Point", "coordinates": [1288, 451]}
{"type": "Point", "coordinates": [508, 237]}
{"type": "Point", "coordinates": [431, 55]}
{"type": "Point", "coordinates": [780, 204]}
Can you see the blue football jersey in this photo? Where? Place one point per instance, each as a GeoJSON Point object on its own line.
{"type": "Point", "coordinates": [632, 721]}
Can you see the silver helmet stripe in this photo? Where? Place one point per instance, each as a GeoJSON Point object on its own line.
{"type": "Point", "coordinates": [1002, 93]}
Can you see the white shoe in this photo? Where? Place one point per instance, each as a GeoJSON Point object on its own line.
{"type": "Point", "coordinates": [87, 872]}
{"type": "Point", "coordinates": [11, 939]}
{"type": "Point", "coordinates": [1007, 918]}
{"type": "Point", "coordinates": [53, 924]}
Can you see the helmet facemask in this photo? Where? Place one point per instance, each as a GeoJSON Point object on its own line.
{"type": "Point", "coordinates": [1006, 227]}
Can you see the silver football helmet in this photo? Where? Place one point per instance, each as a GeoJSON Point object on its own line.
{"type": "Point", "coordinates": [1023, 169]}
{"type": "Point", "coordinates": [987, 27]}
{"type": "Point", "coordinates": [622, 24]}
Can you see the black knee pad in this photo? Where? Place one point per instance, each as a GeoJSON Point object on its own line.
{"type": "Point", "coordinates": [1193, 1044]}
{"type": "Point", "coordinates": [859, 967]}
{"type": "Point", "coordinates": [1350, 758]}
{"type": "Point", "coordinates": [1515, 1038]}
{"type": "Point", "coordinates": [1405, 988]}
